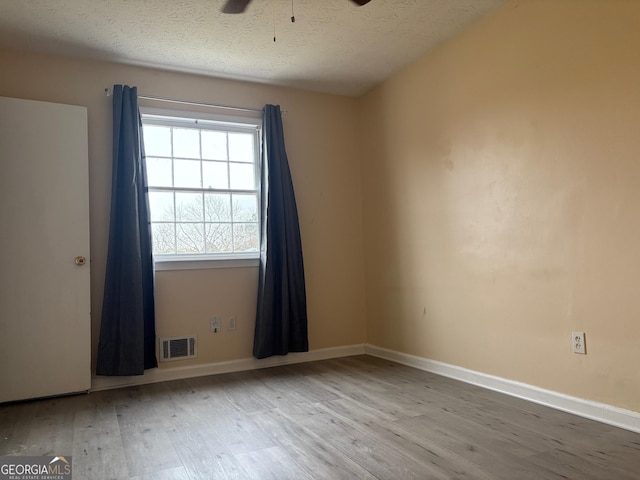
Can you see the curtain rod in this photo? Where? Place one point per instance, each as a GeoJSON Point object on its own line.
{"type": "Point", "coordinates": [108, 91]}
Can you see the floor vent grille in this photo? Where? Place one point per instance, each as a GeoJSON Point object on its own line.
{"type": "Point", "coordinates": [177, 348]}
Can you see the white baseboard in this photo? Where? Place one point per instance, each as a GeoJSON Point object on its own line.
{"type": "Point", "coordinates": [600, 412]}
{"type": "Point", "coordinates": [176, 373]}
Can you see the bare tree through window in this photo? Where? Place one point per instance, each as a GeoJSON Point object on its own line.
{"type": "Point", "coordinates": [203, 192]}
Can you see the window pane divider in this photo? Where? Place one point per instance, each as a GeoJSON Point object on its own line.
{"type": "Point", "coordinates": [204, 242]}
{"type": "Point", "coordinates": [199, 190]}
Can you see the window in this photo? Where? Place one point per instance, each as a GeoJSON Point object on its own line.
{"type": "Point", "coordinates": [203, 178]}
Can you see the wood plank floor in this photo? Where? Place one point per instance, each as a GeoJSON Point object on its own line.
{"type": "Point", "coordinates": [349, 418]}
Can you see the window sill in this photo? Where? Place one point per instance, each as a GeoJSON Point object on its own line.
{"type": "Point", "coordinates": [198, 263]}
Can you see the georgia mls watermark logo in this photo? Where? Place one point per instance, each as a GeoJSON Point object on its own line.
{"type": "Point", "coordinates": [35, 468]}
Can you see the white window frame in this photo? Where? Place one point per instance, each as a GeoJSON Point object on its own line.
{"type": "Point", "coordinates": [156, 116]}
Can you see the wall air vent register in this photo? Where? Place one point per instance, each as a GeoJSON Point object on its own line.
{"type": "Point", "coordinates": [177, 348]}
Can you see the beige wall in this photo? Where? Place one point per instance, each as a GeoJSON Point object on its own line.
{"type": "Point", "coordinates": [323, 154]}
{"type": "Point", "coordinates": [501, 187]}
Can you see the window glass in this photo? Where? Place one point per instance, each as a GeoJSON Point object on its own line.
{"type": "Point", "coordinates": [161, 206]}
{"type": "Point", "coordinates": [217, 207]}
{"type": "Point", "coordinates": [214, 145]}
{"type": "Point", "coordinates": [215, 175]}
{"type": "Point", "coordinates": [157, 141]}
{"type": "Point", "coordinates": [219, 238]}
{"type": "Point", "coordinates": [186, 173]}
{"type": "Point", "coordinates": [202, 187]}
{"type": "Point", "coordinates": [159, 172]}
{"type": "Point", "coordinates": [241, 147]}
{"type": "Point", "coordinates": [242, 176]}
{"type": "Point", "coordinates": [245, 208]}
{"type": "Point", "coordinates": [164, 237]}
{"type": "Point", "coordinates": [186, 143]}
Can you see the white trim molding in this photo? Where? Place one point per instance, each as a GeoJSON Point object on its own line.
{"type": "Point", "coordinates": [194, 262]}
{"type": "Point", "coordinates": [600, 412]}
{"type": "Point", "coordinates": [177, 373]}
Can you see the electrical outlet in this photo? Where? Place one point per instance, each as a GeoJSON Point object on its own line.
{"type": "Point", "coordinates": [232, 323]}
{"type": "Point", "coordinates": [214, 324]}
{"type": "Point", "coordinates": [579, 346]}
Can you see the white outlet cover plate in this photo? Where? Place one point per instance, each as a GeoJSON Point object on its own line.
{"type": "Point", "coordinates": [215, 324]}
{"type": "Point", "coordinates": [577, 339]}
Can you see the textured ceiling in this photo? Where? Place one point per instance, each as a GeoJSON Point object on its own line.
{"type": "Point", "coordinates": [332, 47]}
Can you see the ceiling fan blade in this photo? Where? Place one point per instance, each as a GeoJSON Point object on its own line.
{"type": "Point", "coordinates": [235, 6]}
{"type": "Point", "coordinates": [239, 6]}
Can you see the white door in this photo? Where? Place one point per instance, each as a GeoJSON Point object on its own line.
{"type": "Point", "coordinates": [45, 332]}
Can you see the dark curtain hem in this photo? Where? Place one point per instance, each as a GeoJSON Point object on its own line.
{"type": "Point", "coordinates": [127, 330]}
{"type": "Point", "coordinates": [281, 317]}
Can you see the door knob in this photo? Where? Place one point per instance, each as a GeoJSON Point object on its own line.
{"type": "Point", "coordinates": [80, 260]}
